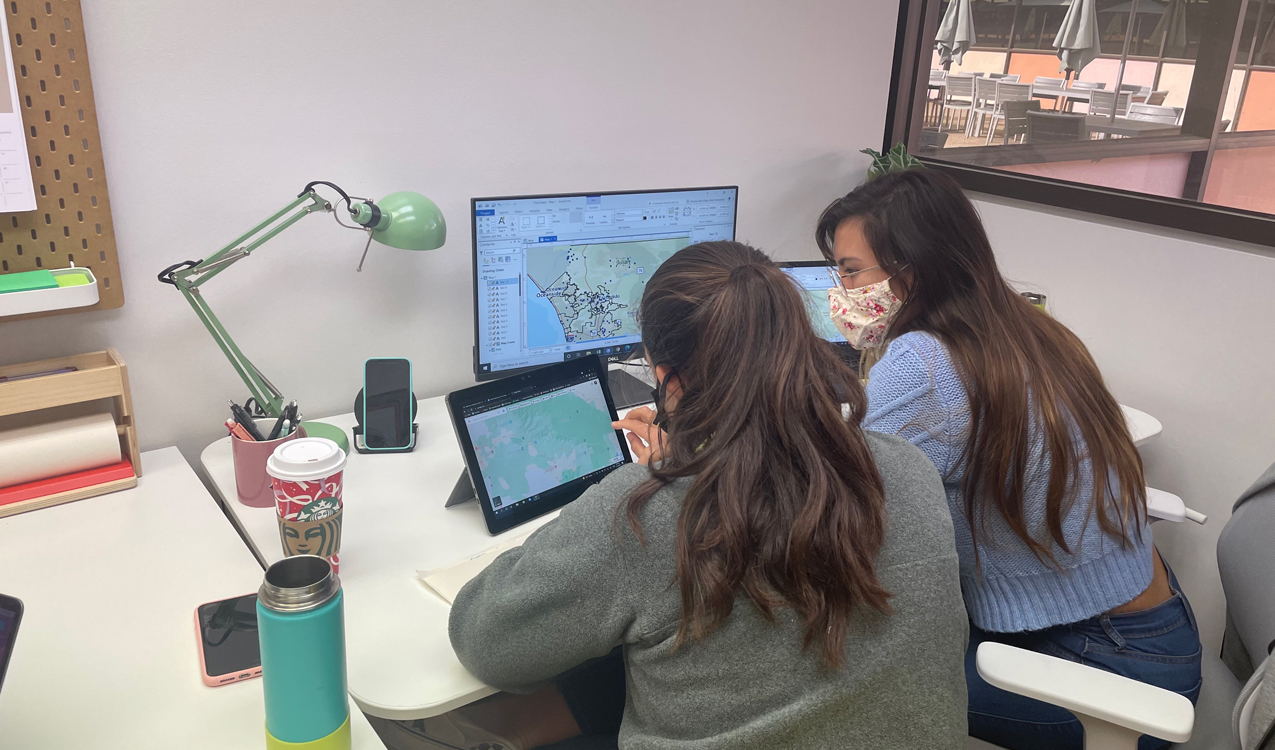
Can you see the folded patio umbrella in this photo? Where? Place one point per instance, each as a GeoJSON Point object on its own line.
{"type": "Point", "coordinates": [1266, 51]}
{"type": "Point", "coordinates": [1171, 30]}
{"type": "Point", "coordinates": [1079, 38]}
{"type": "Point", "coordinates": [956, 33]}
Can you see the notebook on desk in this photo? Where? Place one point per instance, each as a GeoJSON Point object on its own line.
{"type": "Point", "coordinates": [449, 580]}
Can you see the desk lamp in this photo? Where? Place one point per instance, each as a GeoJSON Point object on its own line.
{"type": "Point", "coordinates": [408, 221]}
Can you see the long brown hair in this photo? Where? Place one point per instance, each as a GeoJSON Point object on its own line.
{"type": "Point", "coordinates": [1022, 370]}
{"type": "Point", "coordinates": [786, 503]}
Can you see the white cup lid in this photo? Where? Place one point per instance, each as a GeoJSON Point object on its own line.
{"type": "Point", "coordinates": [305, 458]}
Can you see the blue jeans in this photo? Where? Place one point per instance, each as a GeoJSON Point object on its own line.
{"type": "Point", "coordinates": [1159, 646]}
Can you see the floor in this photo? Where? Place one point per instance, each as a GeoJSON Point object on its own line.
{"type": "Point", "coordinates": [954, 126]}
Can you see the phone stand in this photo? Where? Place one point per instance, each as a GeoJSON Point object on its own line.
{"type": "Point", "coordinates": [463, 492]}
{"type": "Point", "coordinates": [357, 430]}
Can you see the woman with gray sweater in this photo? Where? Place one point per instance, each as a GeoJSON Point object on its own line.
{"type": "Point", "coordinates": [768, 576]}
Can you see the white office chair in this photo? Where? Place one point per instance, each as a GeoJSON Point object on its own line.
{"type": "Point", "coordinates": [1116, 710]}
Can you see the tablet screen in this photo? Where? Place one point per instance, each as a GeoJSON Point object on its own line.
{"type": "Point", "coordinates": [540, 440]}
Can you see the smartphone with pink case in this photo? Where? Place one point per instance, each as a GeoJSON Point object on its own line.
{"type": "Point", "coordinates": [226, 634]}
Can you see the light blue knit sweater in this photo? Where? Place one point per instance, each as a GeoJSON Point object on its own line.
{"type": "Point", "coordinates": [916, 393]}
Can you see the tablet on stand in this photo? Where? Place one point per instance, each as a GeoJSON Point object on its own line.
{"type": "Point", "coordinates": [534, 442]}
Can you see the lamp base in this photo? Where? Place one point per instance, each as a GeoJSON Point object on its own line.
{"type": "Point", "coordinates": [323, 430]}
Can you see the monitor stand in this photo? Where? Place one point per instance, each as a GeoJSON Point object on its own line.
{"type": "Point", "coordinates": [627, 390]}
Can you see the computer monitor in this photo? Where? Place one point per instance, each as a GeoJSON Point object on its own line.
{"type": "Point", "coordinates": [558, 277]}
{"type": "Point", "coordinates": [811, 277]}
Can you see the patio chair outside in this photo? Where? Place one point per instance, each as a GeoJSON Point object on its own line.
{"type": "Point", "coordinates": [1048, 127]}
{"type": "Point", "coordinates": [1153, 113]}
{"type": "Point", "coordinates": [1005, 93]}
{"type": "Point", "coordinates": [1015, 114]}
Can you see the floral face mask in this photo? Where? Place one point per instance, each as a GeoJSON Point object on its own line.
{"type": "Point", "coordinates": [863, 314]}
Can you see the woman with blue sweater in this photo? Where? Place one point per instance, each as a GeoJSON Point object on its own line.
{"type": "Point", "coordinates": [1042, 478]}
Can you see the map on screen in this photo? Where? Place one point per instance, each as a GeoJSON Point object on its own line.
{"type": "Point", "coordinates": [532, 446]}
{"type": "Point", "coordinates": [595, 289]}
{"type": "Point", "coordinates": [817, 309]}
{"type": "Point", "coordinates": [814, 281]}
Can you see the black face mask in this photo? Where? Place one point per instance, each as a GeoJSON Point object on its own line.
{"type": "Point", "coordinates": [657, 395]}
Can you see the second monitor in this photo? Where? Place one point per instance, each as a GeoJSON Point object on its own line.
{"type": "Point", "coordinates": [558, 277]}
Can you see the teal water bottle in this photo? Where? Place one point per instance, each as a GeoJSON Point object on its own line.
{"type": "Point", "coordinates": [301, 624]}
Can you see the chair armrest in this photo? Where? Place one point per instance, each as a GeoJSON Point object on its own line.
{"type": "Point", "coordinates": [1142, 426]}
{"type": "Point", "coordinates": [1165, 506]}
{"type": "Point", "coordinates": [1169, 507]}
{"type": "Point", "coordinates": [1088, 691]}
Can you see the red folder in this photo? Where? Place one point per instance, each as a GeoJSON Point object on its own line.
{"type": "Point", "coordinates": [66, 482]}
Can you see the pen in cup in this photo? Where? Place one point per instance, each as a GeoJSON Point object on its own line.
{"type": "Point", "coordinates": [278, 425]}
{"type": "Point", "coordinates": [241, 416]}
{"type": "Point", "coordinates": [238, 431]}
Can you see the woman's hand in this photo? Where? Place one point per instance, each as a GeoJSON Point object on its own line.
{"type": "Point", "coordinates": [643, 435]}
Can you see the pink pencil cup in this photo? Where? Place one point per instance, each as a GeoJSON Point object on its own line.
{"type": "Point", "coordinates": [251, 479]}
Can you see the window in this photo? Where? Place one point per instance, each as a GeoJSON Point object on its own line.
{"type": "Point", "coordinates": [1171, 120]}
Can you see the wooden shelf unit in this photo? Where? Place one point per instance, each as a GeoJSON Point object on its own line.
{"type": "Point", "coordinates": [98, 375]}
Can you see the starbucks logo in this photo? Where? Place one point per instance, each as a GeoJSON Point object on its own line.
{"type": "Point", "coordinates": [319, 509]}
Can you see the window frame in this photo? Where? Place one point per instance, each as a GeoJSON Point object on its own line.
{"type": "Point", "coordinates": [918, 21]}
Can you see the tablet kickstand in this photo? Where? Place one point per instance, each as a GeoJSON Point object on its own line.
{"type": "Point", "coordinates": [463, 492]}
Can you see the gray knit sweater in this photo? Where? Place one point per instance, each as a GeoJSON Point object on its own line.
{"type": "Point", "coordinates": [582, 585]}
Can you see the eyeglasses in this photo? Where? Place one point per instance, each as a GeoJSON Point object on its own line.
{"type": "Point", "coordinates": [838, 276]}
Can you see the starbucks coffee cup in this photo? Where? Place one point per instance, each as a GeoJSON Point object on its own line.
{"type": "Point", "coordinates": [306, 477]}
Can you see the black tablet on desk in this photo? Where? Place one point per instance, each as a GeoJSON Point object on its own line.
{"type": "Point", "coordinates": [534, 442]}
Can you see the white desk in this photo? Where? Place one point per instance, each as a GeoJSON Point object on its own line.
{"type": "Point", "coordinates": [401, 663]}
{"type": "Point", "coordinates": [400, 660]}
{"type": "Point", "coordinates": [106, 652]}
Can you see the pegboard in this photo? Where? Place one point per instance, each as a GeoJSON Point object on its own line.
{"type": "Point", "coordinates": [55, 94]}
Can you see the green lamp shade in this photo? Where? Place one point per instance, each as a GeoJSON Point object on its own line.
{"type": "Point", "coordinates": [415, 222]}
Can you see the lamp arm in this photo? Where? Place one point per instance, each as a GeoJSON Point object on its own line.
{"type": "Point", "coordinates": [189, 278]}
{"type": "Point", "coordinates": [267, 396]}
{"type": "Point", "coordinates": [237, 250]}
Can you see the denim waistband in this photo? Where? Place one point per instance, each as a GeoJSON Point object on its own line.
{"type": "Point", "coordinates": [1158, 619]}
